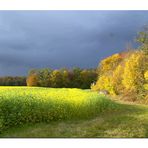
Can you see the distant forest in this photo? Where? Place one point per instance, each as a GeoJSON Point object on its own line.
{"type": "Point", "coordinates": [67, 78]}
{"type": "Point", "coordinates": [13, 81]}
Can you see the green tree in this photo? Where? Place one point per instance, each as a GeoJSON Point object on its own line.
{"type": "Point", "coordinates": [77, 81]}
{"type": "Point", "coordinates": [88, 76]}
{"type": "Point", "coordinates": [65, 77]}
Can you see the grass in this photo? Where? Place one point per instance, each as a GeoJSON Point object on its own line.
{"type": "Point", "coordinates": [25, 105]}
{"type": "Point", "coordinates": [119, 119]}
{"type": "Point", "coordinates": [128, 122]}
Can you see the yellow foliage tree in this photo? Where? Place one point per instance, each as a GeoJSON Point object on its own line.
{"type": "Point", "coordinates": [65, 78]}
{"type": "Point", "coordinates": [104, 83]}
{"type": "Point", "coordinates": [56, 79]}
{"type": "Point", "coordinates": [117, 79]}
{"type": "Point", "coordinates": [107, 78]}
{"type": "Point", "coordinates": [110, 63]}
{"type": "Point", "coordinates": [124, 74]}
{"type": "Point", "coordinates": [133, 76]}
{"type": "Point", "coordinates": [146, 76]}
{"type": "Point", "coordinates": [146, 80]}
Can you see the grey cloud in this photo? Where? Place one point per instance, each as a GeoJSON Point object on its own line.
{"type": "Point", "coordinates": [36, 39]}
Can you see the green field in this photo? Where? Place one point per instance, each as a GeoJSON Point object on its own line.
{"type": "Point", "coordinates": [49, 112]}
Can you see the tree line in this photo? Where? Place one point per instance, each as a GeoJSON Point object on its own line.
{"type": "Point", "coordinates": [67, 78]}
{"type": "Point", "coordinates": [13, 81]}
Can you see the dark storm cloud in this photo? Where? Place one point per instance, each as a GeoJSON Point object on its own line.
{"type": "Point", "coordinates": [36, 39]}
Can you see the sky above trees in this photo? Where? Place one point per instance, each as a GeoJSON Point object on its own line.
{"type": "Point", "coordinates": [55, 39]}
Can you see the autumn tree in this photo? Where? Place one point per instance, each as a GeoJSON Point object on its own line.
{"type": "Point", "coordinates": [32, 80]}
{"type": "Point", "coordinates": [65, 78]}
{"type": "Point", "coordinates": [108, 64]}
{"type": "Point", "coordinates": [56, 79]}
{"type": "Point", "coordinates": [107, 79]}
{"type": "Point", "coordinates": [117, 78]}
{"type": "Point", "coordinates": [44, 77]}
{"type": "Point", "coordinates": [104, 83]}
{"type": "Point", "coordinates": [133, 76]}
{"type": "Point", "coordinates": [146, 76]}
{"type": "Point", "coordinates": [142, 38]}
{"type": "Point", "coordinates": [72, 78]}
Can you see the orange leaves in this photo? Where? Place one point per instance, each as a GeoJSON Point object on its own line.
{"type": "Point", "coordinates": [32, 80]}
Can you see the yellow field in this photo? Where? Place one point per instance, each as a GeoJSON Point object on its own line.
{"type": "Point", "coordinates": [19, 105]}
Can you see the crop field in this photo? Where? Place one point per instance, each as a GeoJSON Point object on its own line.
{"type": "Point", "coordinates": [66, 112]}
{"type": "Point", "coordinates": [23, 105]}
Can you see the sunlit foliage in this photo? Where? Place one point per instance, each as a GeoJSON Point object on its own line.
{"type": "Point", "coordinates": [20, 105]}
{"type": "Point", "coordinates": [62, 78]}
{"type": "Point", "coordinates": [133, 77]}
{"type": "Point", "coordinates": [108, 64]}
{"type": "Point", "coordinates": [125, 76]}
{"type": "Point", "coordinates": [109, 73]}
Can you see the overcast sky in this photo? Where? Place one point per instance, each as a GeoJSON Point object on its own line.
{"type": "Point", "coordinates": [55, 39]}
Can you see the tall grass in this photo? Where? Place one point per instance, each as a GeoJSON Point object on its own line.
{"type": "Point", "coordinates": [20, 105]}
